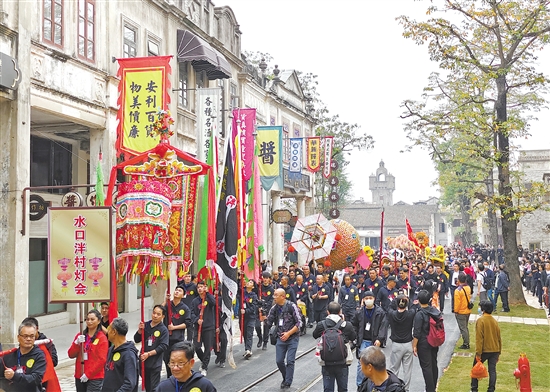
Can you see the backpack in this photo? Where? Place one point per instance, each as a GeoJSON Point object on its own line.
{"type": "Point", "coordinates": [487, 282]}
{"type": "Point", "coordinates": [436, 336]}
{"type": "Point", "coordinates": [333, 348]}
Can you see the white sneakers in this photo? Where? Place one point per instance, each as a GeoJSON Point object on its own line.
{"type": "Point", "coordinates": [247, 354]}
{"type": "Point", "coordinates": [203, 372]}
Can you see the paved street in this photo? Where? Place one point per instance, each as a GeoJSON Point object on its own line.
{"type": "Point", "coordinates": [307, 372]}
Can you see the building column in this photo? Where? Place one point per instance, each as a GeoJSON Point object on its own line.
{"type": "Point", "coordinates": [15, 113]}
{"type": "Point", "coordinates": [276, 234]}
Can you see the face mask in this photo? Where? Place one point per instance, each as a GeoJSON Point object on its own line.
{"type": "Point", "coordinates": [369, 303]}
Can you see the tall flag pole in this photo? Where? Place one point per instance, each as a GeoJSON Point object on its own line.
{"type": "Point", "coordinates": [226, 246]}
{"type": "Point", "coordinates": [203, 239]}
{"type": "Point", "coordinates": [381, 242]}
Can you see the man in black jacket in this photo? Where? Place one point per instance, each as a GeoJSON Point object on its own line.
{"type": "Point", "coordinates": [189, 294]}
{"type": "Point", "coordinates": [387, 294]}
{"type": "Point", "coordinates": [154, 345]}
{"type": "Point", "coordinates": [121, 368]}
{"type": "Point", "coordinates": [179, 322]}
{"type": "Point", "coordinates": [335, 371]}
{"type": "Point", "coordinates": [370, 326]}
{"type": "Point", "coordinates": [348, 298]}
{"type": "Point", "coordinates": [40, 336]}
{"type": "Point", "coordinates": [427, 355]}
{"type": "Point", "coordinates": [266, 301]}
{"type": "Point", "coordinates": [401, 324]}
{"type": "Point", "coordinates": [377, 378]}
{"type": "Point", "coordinates": [250, 313]}
{"type": "Point", "coordinates": [23, 370]}
{"type": "Point", "coordinates": [204, 320]}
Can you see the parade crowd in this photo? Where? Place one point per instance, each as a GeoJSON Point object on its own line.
{"type": "Point", "coordinates": [393, 299]}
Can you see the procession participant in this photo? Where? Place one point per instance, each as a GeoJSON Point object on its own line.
{"type": "Point", "coordinates": [181, 319]}
{"type": "Point", "coordinates": [387, 294]}
{"type": "Point", "coordinates": [488, 344]}
{"type": "Point", "coordinates": [402, 283]}
{"type": "Point", "coordinates": [155, 344]}
{"type": "Point", "coordinates": [401, 325]}
{"type": "Point", "coordinates": [204, 319]}
{"type": "Point", "coordinates": [377, 378]}
{"type": "Point", "coordinates": [463, 296]}
{"type": "Point", "coordinates": [373, 283]}
{"type": "Point", "coordinates": [320, 297]}
{"type": "Point", "coordinates": [290, 295]}
{"type": "Point", "coordinates": [122, 367]}
{"type": "Point", "coordinates": [24, 368]}
{"type": "Point", "coordinates": [184, 378]}
{"type": "Point", "coordinates": [96, 347]}
{"type": "Point", "coordinates": [370, 327]}
{"type": "Point", "coordinates": [443, 285]}
{"type": "Point", "coordinates": [266, 302]}
{"type": "Point", "coordinates": [348, 298]}
{"type": "Point", "coordinates": [104, 321]}
{"type": "Point", "coordinates": [427, 355]}
{"type": "Point", "coordinates": [309, 280]}
{"type": "Point", "coordinates": [40, 336]}
{"type": "Point", "coordinates": [386, 273]}
{"type": "Point", "coordinates": [250, 312]}
{"type": "Point", "coordinates": [221, 350]}
{"type": "Point", "coordinates": [302, 299]}
{"type": "Point", "coordinates": [453, 283]}
{"type": "Point", "coordinates": [286, 316]}
{"type": "Point", "coordinates": [189, 294]}
{"type": "Point", "coordinates": [335, 371]}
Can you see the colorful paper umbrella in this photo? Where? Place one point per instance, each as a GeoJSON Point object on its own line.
{"type": "Point", "coordinates": [313, 236]}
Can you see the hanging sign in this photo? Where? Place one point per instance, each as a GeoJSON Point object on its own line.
{"type": "Point", "coordinates": [313, 154]}
{"type": "Point", "coordinates": [79, 254]}
{"type": "Point", "coordinates": [295, 165]}
{"type": "Point", "coordinates": [327, 170]}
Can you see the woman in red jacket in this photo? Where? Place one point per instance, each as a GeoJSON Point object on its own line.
{"type": "Point", "coordinates": [96, 346]}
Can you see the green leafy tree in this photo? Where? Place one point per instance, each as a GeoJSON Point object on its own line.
{"type": "Point", "coordinates": [497, 41]}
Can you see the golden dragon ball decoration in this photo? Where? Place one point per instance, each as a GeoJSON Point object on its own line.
{"type": "Point", "coordinates": [347, 247]}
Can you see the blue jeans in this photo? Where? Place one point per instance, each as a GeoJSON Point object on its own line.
{"type": "Point", "coordinates": [286, 349]}
{"type": "Point", "coordinates": [490, 297]}
{"type": "Point", "coordinates": [337, 373]}
{"type": "Point", "coordinates": [360, 375]}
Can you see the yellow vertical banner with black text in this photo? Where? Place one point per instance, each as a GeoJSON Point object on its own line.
{"type": "Point", "coordinates": [143, 92]}
{"type": "Point", "coordinates": [269, 142]}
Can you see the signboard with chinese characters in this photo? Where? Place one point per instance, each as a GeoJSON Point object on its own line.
{"type": "Point", "coordinates": [143, 90]}
{"type": "Point", "coordinates": [208, 120]}
{"type": "Point", "coordinates": [79, 254]}
{"type": "Point", "coordinates": [269, 143]}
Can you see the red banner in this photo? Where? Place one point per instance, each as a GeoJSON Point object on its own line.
{"type": "Point", "coordinates": [244, 125]}
{"type": "Point", "coordinates": [143, 90]}
{"type": "Point", "coordinates": [314, 154]}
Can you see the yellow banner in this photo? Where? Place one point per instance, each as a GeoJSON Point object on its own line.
{"type": "Point", "coordinates": [314, 153]}
{"type": "Point", "coordinates": [79, 257]}
{"type": "Point", "coordinates": [142, 99]}
{"type": "Point", "coordinates": [268, 141]}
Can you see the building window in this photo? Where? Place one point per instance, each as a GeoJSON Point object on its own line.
{"type": "Point", "coordinates": [52, 27]}
{"type": "Point", "coordinates": [534, 246]}
{"type": "Point", "coordinates": [442, 227]}
{"type": "Point", "coordinates": [130, 41]}
{"type": "Point", "coordinates": [38, 279]}
{"type": "Point", "coordinates": [234, 96]}
{"type": "Point", "coordinates": [86, 29]}
{"type": "Point", "coordinates": [153, 48]}
{"type": "Point", "coordinates": [51, 164]}
{"type": "Point", "coordinates": [182, 85]}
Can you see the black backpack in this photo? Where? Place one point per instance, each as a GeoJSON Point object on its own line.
{"type": "Point", "coordinates": [333, 348]}
{"type": "Point", "coordinates": [487, 281]}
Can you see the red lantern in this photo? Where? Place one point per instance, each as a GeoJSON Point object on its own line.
{"type": "Point", "coordinates": [291, 249]}
{"type": "Point", "coordinates": [338, 237]}
{"type": "Point", "coordinates": [327, 263]}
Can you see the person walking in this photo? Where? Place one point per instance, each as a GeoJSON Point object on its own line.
{"type": "Point", "coordinates": [95, 345]}
{"type": "Point", "coordinates": [427, 355]}
{"type": "Point", "coordinates": [204, 319]}
{"type": "Point", "coordinates": [250, 313]}
{"type": "Point", "coordinates": [377, 378]}
{"type": "Point", "coordinates": [337, 371]}
{"type": "Point", "coordinates": [122, 367]}
{"type": "Point", "coordinates": [488, 345]}
{"type": "Point", "coordinates": [370, 327]}
{"type": "Point", "coordinates": [502, 288]}
{"type": "Point", "coordinates": [462, 310]}
{"type": "Point", "coordinates": [401, 325]}
{"type": "Point", "coordinates": [348, 298]}
{"type": "Point", "coordinates": [154, 345]}
{"type": "Point", "coordinates": [288, 319]}
{"type": "Point", "coordinates": [178, 323]}
{"type": "Point", "coordinates": [183, 378]}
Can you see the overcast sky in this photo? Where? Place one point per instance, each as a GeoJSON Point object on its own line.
{"type": "Point", "coordinates": [365, 70]}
